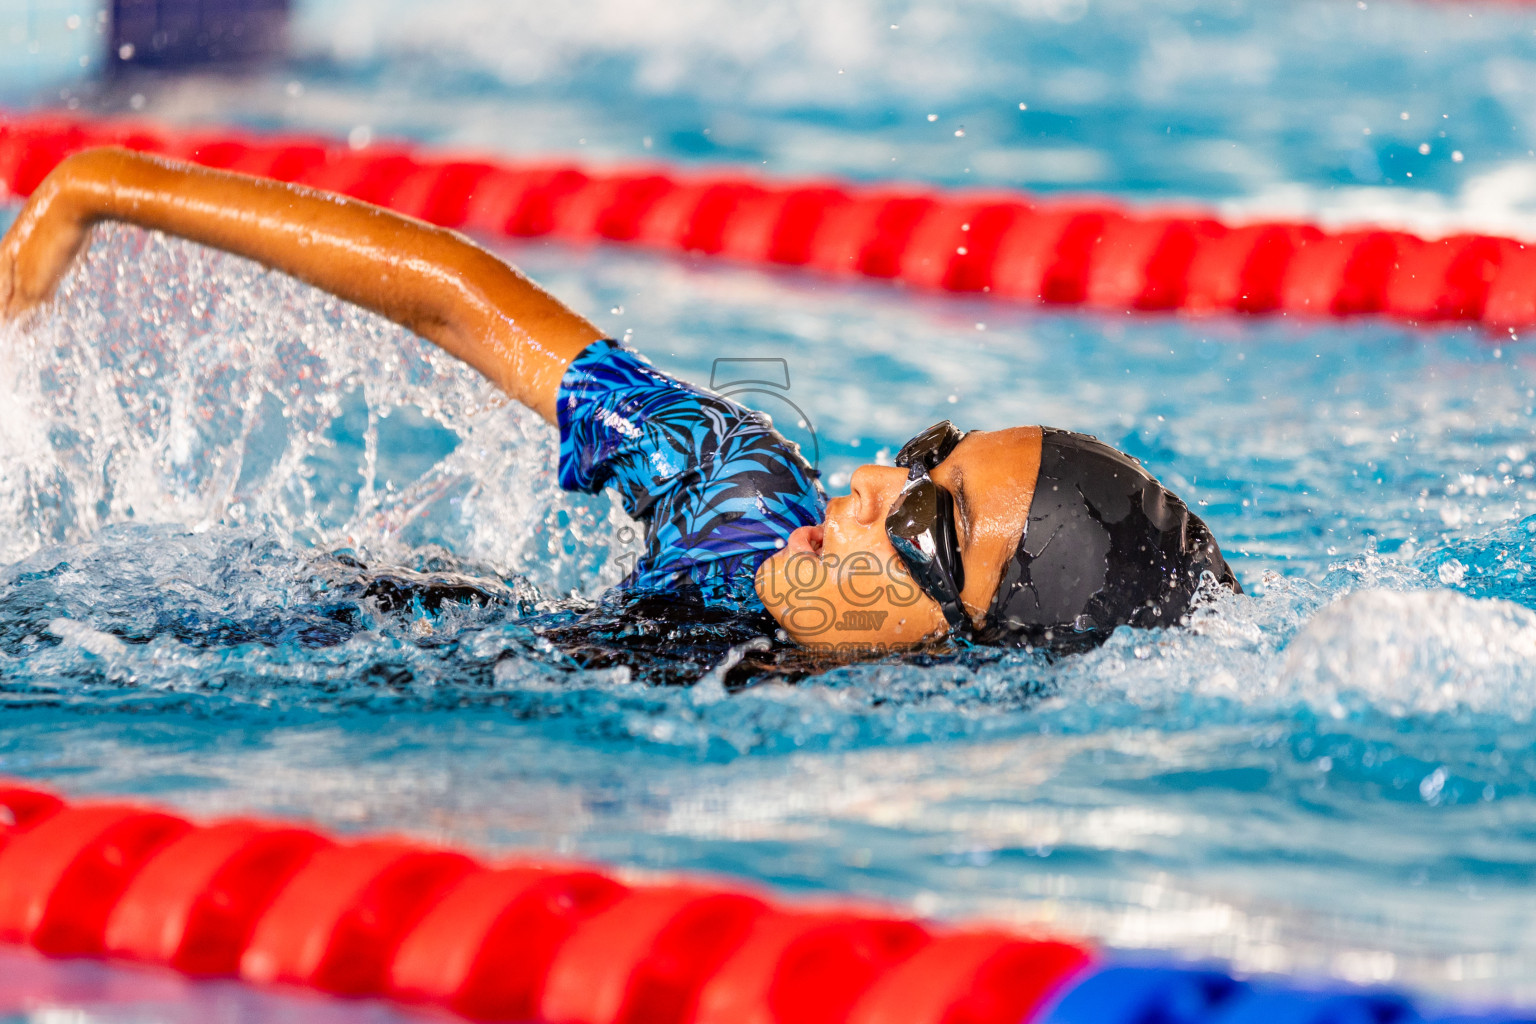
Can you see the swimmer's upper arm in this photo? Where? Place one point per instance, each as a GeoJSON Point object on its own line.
{"type": "Point", "coordinates": [428, 279]}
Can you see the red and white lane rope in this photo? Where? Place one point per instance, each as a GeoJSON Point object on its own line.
{"type": "Point", "coordinates": [522, 941]}
{"type": "Point", "coordinates": [568, 943]}
{"type": "Point", "coordinates": [1064, 253]}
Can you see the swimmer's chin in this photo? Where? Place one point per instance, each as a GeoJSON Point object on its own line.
{"type": "Point", "coordinates": [759, 586]}
{"type": "Point", "coordinates": [768, 581]}
{"type": "Point", "coordinates": [803, 541]}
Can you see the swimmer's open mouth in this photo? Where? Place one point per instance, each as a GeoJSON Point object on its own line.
{"type": "Point", "coordinates": [806, 539]}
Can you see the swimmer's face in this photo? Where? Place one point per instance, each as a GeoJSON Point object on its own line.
{"type": "Point", "coordinates": [842, 583]}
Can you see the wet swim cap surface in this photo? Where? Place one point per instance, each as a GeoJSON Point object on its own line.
{"type": "Point", "coordinates": [1106, 545]}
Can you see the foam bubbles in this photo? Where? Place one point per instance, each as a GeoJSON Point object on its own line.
{"type": "Point", "coordinates": [1426, 653]}
{"type": "Point", "coordinates": [170, 385]}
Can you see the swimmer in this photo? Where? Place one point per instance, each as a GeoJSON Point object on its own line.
{"type": "Point", "coordinates": [1026, 536]}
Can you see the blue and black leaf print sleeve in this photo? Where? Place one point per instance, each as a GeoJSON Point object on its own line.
{"type": "Point", "coordinates": [718, 488]}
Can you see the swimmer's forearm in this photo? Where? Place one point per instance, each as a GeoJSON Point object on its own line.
{"type": "Point", "coordinates": [432, 281]}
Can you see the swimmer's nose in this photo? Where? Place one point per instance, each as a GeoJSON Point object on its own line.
{"type": "Point", "coordinates": [874, 488]}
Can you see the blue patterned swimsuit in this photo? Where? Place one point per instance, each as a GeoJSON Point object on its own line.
{"type": "Point", "coordinates": [718, 488]}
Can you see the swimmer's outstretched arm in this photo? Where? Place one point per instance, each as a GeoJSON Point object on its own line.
{"type": "Point", "coordinates": [432, 281]}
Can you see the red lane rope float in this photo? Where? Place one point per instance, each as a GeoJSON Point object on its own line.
{"type": "Point", "coordinates": [398, 919]}
{"type": "Point", "coordinates": [1063, 253]}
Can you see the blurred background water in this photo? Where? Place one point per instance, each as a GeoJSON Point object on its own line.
{"type": "Point", "coordinates": [1332, 775]}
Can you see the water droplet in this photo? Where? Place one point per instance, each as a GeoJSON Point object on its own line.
{"type": "Point", "coordinates": [1432, 785]}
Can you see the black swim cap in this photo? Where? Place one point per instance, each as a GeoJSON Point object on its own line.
{"type": "Point", "coordinates": [1106, 545]}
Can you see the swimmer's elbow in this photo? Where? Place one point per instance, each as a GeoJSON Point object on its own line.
{"type": "Point", "coordinates": [91, 173]}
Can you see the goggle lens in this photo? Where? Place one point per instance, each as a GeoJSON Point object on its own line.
{"type": "Point", "coordinates": [921, 523]}
{"type": "Point", "coordinates": [930, 447]}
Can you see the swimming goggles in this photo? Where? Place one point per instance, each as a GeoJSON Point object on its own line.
{"type": "Point", "coordinates": [921, 522]}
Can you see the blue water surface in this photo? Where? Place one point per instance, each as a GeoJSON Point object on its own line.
{"type": "Point", "coordinates": [1332, 775]}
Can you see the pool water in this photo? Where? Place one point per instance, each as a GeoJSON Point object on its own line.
{"type": "Point", "coordinates": [1332, 775]}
